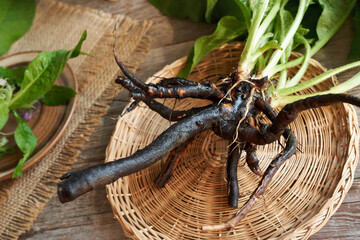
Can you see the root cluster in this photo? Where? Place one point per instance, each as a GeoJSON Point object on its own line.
{"type": "Point", "coordinates": [238, 104]}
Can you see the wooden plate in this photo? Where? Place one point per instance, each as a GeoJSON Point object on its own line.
{"type": "Point", "coordinates": [48, 124]}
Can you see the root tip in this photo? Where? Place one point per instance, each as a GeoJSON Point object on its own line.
{"type": "Point", "coordinates": [216, 228]}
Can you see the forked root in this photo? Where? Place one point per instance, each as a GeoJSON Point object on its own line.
{"type": "Point", "coordinates": [290, 149]}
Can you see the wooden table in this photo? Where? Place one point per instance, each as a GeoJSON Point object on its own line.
{"type": "Point", "coordinates": [90, 216]}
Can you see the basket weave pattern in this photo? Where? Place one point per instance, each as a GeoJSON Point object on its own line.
{"type": "Point", "coordinates": [303, 195]}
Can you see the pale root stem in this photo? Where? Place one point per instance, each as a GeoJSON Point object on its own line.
{"type": "Point", "coordinates": [251, 42]}
{"type": "Point", "coordinates": [230, 224]}
{"type": "Point", "coordinates": [242, 76]}
{"type": "Point", "coordinates": [246, 112]}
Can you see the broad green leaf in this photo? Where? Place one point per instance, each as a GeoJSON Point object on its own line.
{"type": "Point", "coordinates": [4, 113]}
{"type": "Point", "coordinates": [227, 29]}
{"type": "Point", "coordinates": [39, 77]}
{"type": "Point", "coordinates": [16, 17]}
{"type": "Point", "coordinates": [193, 10]}
{"type": "Point", "coordinates": [204, 10]}
{"type": "Point", "coordinates": [41, 74]}
{"type": "Point", "coordinates": [19, 73]}
{"type": "Point", "coordinates": [58, 95]}
{"type": "Point", "coordinates": [25, 140]}
{"type": "Point", "coordinates": [236, 8]}
{"type": "Point", "coordinates": [333, 12]}
{"type": "Point", "coordinates": [355, 45]}
{"type": "Point", "coordinates": [332, 17]}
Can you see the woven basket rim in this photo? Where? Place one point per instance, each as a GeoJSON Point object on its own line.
{"type": "Point", "coordinates": [304, 230]}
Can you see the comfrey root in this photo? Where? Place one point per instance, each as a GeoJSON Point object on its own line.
{"type": "Point", "coordinates": [229, 115]}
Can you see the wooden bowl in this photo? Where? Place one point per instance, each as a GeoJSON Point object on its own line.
{"type": "Point", "coordinates": [48, 124]}
{"type": "Point", "coordinates": [302, 196]}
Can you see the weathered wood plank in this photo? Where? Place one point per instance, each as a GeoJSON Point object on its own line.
{"type": "Point", "coordinates": [344, 224]}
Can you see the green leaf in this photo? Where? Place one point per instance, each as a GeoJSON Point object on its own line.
{"type": "Point", "coordinates": [6, 73]}
{"type": "Point", "coordinates": [193, 10]}
{"type": "Point", "coordinates": [58, 95]}
{"type": "Point", "coordinates": [77, 49]}
{"type": "Point", "coordinates": [299, 37]}
{"type": "Point", "coordinates": [332, 17]}
{"type": "Point", "coordinates": [16, 17]}
{"type": "Point", "coordinates": [4, 113]}
{"type": "Point", "coordinates": [42, 73]}
{"type": "Point", "coordinates": [333, 11]}
{"type": "Point", "coordinates": [19, 73]}
{"type": "Point", "coordinates": [355, 45]}
{"type": "Point", "coordinates": [6, 150]}
{"type": "Point", "coordinates": [227, 29]}
{"type": "Point", "coordinates": [25, 140]}
{"type": "Point", "coordinates": [236, 8]}
{"type": "Point", "coordinates": [209, 9]}
{"type": "Point", "coordinates": [39, 77]}
{"type": "Point", "coordinates": [13, 76]}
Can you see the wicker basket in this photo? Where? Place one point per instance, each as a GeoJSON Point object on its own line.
{"type": "Point", "coordinates": [303, 195]}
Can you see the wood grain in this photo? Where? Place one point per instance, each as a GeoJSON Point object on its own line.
{"type": "Point", "coordinates": [90, 216]}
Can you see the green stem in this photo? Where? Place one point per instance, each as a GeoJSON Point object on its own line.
{"type": "Point", "coordinates": [341, 88]}
{"type": "Point", "coordinates": [289, 36]}
{"type": "Point", "coordinates": [270, 45]}
{"type": "Point", "coordinates": [260, 63]}
{"type": "Point", "coordinates": [263, 39]}
{"type": "Point", "coordinates": [284, 58]}
{"type": "Point", "coordinates": [260, 37]}
{"type": "Point", "coordinates": [347, 85]}
{"type": "Point", "coordinates": [316, 80]}
{"type": "Point", "coordinates": [283, 74]}
{"type": "Point", "coordinates": [244, 63]}
{"type": "Point", "coordinates": [268, 20]}
{"type": "Point", "coordinates": [282, 101]}
{"type": "Point", "coordinates": [296, 79]}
